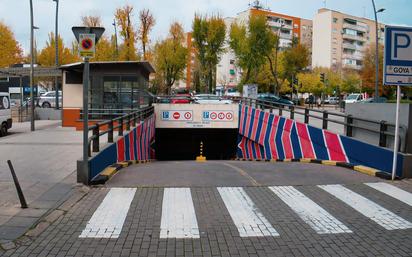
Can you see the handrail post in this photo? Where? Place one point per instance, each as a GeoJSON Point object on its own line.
{"type": "Point", "coordinates": [128, 122]}
{"type": "Point", "coordinates": [349, 123]}
{"type": "Point", "coordinates": [325, 120]}
{"type": "Point", "coordinates": [292, 112]}
{"type": "Point", "coordinates": [306, 115]}
{"type": "Point", "coordinates": [110, 132]}
{"type": "Point", "coordinates": [382, 133]}
{"type": "Point", "coordinates": [280, 110]}
{"type": "Point", "coordinates": [134, 119]}
{"type": "Point", "coordinates": [120, 126]}
{"type": "Point", "coordinates": [96, 140]}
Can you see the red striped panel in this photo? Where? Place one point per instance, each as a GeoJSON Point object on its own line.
{"type": "Point", "coordinates": [272, 142]}
{"type": "Point", "coordinates": [287, 144]}
{"type": "Point", "coordinates": [255, 124]}
{"type": "Point", "coordinates": [334, 146]}
{"type": "Point", "coordinates": [247, 127]}
{"type": "Point", "coordinates": [138, 140]}
{"type": "Point", "coordinates": [258, 152]}
{"type": "Point", "coordinates": [261, 139]}
{"type": "Point", "coordinates": [131, 145]}
{"type": "Point", "coordinates": [120, 150]}
{"type": "Point", "coordinates": [250, 150]}
{"type": "Point", "coordinates": [305, 143]}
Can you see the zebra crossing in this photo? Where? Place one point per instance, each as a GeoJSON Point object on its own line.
{"type": "Point", "coordinates": [179, 218]}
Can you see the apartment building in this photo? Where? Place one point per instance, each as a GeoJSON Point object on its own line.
{"type": "Point", "coordinates": [340, 40]}
{"type": "Point", "coordinates": [285, 26]}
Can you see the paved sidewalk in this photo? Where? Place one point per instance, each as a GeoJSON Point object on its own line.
{"type": "Point", "coordinates": [44, 161]}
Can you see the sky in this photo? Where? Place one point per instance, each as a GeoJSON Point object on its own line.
{"type": "Point", "coordinates": [16, 13]}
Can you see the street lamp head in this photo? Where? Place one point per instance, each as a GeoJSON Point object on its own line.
{"type": "Point", "coordinates": [380, 10]}
{"type": "Point", "coordinates": [34, 27]}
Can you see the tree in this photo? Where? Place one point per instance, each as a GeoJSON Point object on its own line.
{"type": "Point", "coordinates": [369, 69]}
{"type": "Point", "coordinates": [147, 22]}
{"type": "Point", "coordinates": [105, 49]}
{"type": "Point", "coordinates": [295, 60]}
{"type": "Point", "coordinates": [170, 58]}
{"type": "Point", "coordinates": [47, 54]}
{"type": "Point", "coordinates": [351, 83]}
{"type": "Point", "coordinates": [208, 39]}
{"type": "Point", "coordinates": [127, 32]}
{"type": "Point", "coordinates": [10, 50]}
{"type": "Point", "coordinates": [251, 45]}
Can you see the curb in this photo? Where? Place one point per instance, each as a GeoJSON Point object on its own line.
{"type": "Point", "coordinates": [359, 168]}
{"type": "Point", "coordinates": [110, 171]}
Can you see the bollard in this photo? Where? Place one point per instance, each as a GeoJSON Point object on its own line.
{"type": "Point", "coordinates": [201, 158]}
{"type": "Point", "coordinates": [17, 184]}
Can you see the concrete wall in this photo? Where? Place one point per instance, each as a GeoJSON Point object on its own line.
{"type": "Point", "coordinates": [48, 114]}
{"type": "Point", "coordinates": [386, 112]}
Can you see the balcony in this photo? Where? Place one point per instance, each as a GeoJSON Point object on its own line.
{"type": "Point", "coordinates": [278, 24]}
{"type": "Point", "coordinates": [352, 66]}
{"type": "Point", "coordinates": [352, 46]}
{"type": "Point", "coordinates": [354, 56]}
{"type": "Point", "coordinates": [285, 36]}
{"type": "Point", "coordinates": [353, 37]}
{"type": "Point", "coordinates": [361, 28]}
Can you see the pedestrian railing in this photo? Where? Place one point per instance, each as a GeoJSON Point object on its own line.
{"type": "Point", "coordinates": [123, 122]}
{"type": "Point", "coordinates": [382, 129]}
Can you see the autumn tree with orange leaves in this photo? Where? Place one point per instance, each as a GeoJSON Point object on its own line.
{"type": "Point", "coordinates": [127, 51]}
{"type": "Point", "coordinates": [47, 54]}
{"type": "Point", "coordinates": [147, 22]}
{"type": "Point", "coordinates": [10, 51]}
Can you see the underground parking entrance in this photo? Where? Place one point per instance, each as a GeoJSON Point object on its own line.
{"type": "Point", "coordinates": [184, 144]}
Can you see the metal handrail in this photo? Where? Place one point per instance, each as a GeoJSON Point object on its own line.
{"type": "Point", "coordinates": [327, 117]}
{"type": "Point", "coordinates": [121, 123]}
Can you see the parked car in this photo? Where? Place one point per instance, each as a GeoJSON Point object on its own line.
{"type": "Point", "coordinates": [274, 99]}
{"type": "Point", "coordinates": [180, 99]}
{"type": "Point", "coordinates": [332, 100]}
{"type": "Point", "coordinates": [372, 100]}
{"type": "Point", "coordinates": [232, 92]}
{"type": "Point", "coordinates": [353, 98]}
{"type": "Point", "coordinates": [48, 99]}
{"type": "Point", "coordinates": [210, 99]}
{"type": "Point", "coordinates": [5, 114]}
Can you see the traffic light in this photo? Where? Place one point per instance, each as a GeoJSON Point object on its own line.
{"type": "Point", "coordinates": [295, 81]}
{"type": "Point", "coordinates": [322, 77]}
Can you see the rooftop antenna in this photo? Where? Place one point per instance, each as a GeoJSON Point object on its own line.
{"type": "Point", "coordinates": [324, 3]}
{"type": "Point", "coordinates": [256, 4]}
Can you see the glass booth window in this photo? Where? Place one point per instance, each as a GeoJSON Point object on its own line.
{"type": "Point", "coordinates": [120, 92]}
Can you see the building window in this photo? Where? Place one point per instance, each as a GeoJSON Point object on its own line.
{"type": "Point", "coordinates": [334, 51]}
{"type": "Point", "coordinates": [334, 61]}
{"type": "Point", "coordinates": [232, 61]}
{"type": "Point", "coordinates": [335, 40]}
{"type": "Point", "coordinates": [335, 20]}
{"type": "Point", "coordinates": [6, 79]}
{"type": "Point", "coordinates": [334, 30]}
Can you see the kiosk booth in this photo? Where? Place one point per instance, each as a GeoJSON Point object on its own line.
{"type": "Point", "coordinates": [115, 88]}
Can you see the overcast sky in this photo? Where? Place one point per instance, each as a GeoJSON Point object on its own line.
{"type": "Point", "coordinates": [15, 13]}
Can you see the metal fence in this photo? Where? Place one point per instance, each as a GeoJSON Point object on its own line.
{"type": "Point", "coordinates": [122, 122]}
{"type": "Point", "coordinates": [382, 129]}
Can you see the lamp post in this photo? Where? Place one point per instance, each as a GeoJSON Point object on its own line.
{"type": "Point", "coordinates": [377, 50]}
{"type": "Point", "coordinates": [56, 43]}
{"type": "Point", "coordinates": [32, 27]}
{"type": "Point", "coordinates": [276, 57]}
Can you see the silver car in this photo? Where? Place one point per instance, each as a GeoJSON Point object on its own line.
{"type": "Point", "coordinates": [210, 99]}
{"type": "Point", "coordinates": [48, 99]}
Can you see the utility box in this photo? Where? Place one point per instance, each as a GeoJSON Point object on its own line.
{"type": "Point", "coordinates": [250, 90]}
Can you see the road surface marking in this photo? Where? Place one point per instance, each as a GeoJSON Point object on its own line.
{"type": "Point", "coordinates": [243, 173]}
{"type": "Point", "coordinates": [366, 207]}
{"type": "Point", "coordinates": [393, 191]}
{"type": "Point", "coordinates": [178, 214]}
{"type": "Point", "coordinates": [248, 219]}
{"type": "Point", "coordinates": [310, 212]}
{"type": "Point", "coordinates": [107, 221]}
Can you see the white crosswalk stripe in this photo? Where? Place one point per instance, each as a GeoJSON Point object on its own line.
{"type": "Point", "coordinates": [310, 212]}
{"type": "Point", "coordinates": [366, 207]}
{"type": "Point", "coordinates": [107, 221]}
{"type": "Point", "coordinates": [393, 191]}
{"type": "Point", "coordinates": [248, 219]}
{"type": "Point", "coordinates": [178, 214]}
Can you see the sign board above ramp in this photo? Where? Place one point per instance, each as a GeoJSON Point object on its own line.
{"type": "Point", "coordinates": [197, 115]}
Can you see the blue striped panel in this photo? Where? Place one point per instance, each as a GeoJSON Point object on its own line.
{"type": "Point", "coordinates": [135, 142]}
{"type": "Point", "coordinates": [259, 128]}
{"type": "Point", "coordinates": [267, 145]}
{"type": "Point", "coordinates": [251, 122]}
{"type": "Point", "coordinates": [297, 152]}
{"type": "Point", "coordinates": [127, 147]}
{"type": "Point", "coordinates": [278, 138]}
{"type": "Point", "coordinates": [244, 121]}
{"type": "Point", "coordinates": [318, 143]}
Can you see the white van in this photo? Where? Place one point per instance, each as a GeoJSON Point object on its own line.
{"type": "Point", "coordinates": [5, 114]}
{"type": "Point", "coordinates": [353, 98]}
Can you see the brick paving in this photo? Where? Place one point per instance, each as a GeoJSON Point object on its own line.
{"type": "Point", "coordinates": [219, 236]}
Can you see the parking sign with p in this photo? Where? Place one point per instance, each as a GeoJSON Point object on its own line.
{"type": "Point", "coordinates": [398, 56]}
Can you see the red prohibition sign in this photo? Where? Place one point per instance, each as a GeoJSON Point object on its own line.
{"type": "Point", "coordinates": [188, 115]}
{"type": "Point", "coordinates": [213, 116]}
{"type": "Point", "coordinates": [176, 115]}
{"type": "Point", "coordinates": [229, 116]}
{"type": "Point", "coordinates": [221, 116]}
{"type": "Point", "coordinates": [87, 43]}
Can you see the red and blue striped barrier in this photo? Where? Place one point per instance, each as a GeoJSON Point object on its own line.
{"type": "Point", "coordinates": [133, 146]}
{"type": "Point", "coordinates": [265, 136]}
